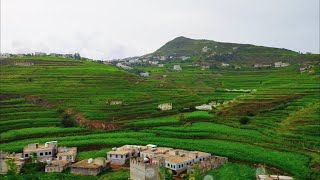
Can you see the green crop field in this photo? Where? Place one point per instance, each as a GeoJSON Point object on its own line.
{"type": "Point", "coordinates": [267, 116]}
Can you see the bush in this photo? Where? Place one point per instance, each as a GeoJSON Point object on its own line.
{"type": "Point", "coordinates": [68, 121]}
{"type": "Point", "coordinates": [244, 120]}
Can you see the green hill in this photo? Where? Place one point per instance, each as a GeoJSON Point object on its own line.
{"type": "Point", "coordinates": [213, 52]}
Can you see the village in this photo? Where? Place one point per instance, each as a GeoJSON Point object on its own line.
{"type": "Point", "coordinates": [144, 162]}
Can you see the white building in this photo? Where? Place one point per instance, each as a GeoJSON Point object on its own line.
{"type": "Point", "coordinates": [165, 106]}
{"type": "Point", "coordinates": [281, 64]}
{"type": "Point", "coordinates": [145, 74]}
{"type": "Point", "coordinates": [205, 49]}
{"type": "Point", "coordinates": [225, 64]}
{"type": "Point", "coordinates": [177, 67]}
{"type": "Point", "coordinates": [67, 153]}
{"type": "Point", "coordinates": [124, 66]}
{"type": "Point", "coordinates": [204, 107]}
{"type": "Point", "coordinates": [121, 155]}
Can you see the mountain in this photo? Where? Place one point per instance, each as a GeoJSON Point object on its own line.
{"type": "Point", "coordinates": [213, 51]}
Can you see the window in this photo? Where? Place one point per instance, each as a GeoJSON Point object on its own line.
{"type": "Point", "coordinates": [49, 153]}
{"type": "Point", "coordinates": [121, 156]}
{"type": "Point", "coordinates": [116, 156]}
{"type": "Point", "coordinates": [110, 155]}
{"type": "Point", "coordinates": [41, 154]}
{"type": "Point", "coordinates": [26, 155]}
{"type": "Point", "coordinates": [60, 157]}
{"type": "Point", "coordinates": [179, 166]}
{"type": "Point", "coordinates": [132, 154]}
{"type": "Point", "coordinates": [46, 153]}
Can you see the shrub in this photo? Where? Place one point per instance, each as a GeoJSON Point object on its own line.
{"type": "Point", "coordinates": [68, 121]}
{"type": "Point", "coordinates": [244, 120]}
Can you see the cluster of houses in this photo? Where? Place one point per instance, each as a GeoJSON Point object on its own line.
{"type": "Point", "coordinates": [276, 65]}
{"type": "Point", "coordinates": [142, 159]}
{"type": "Point", "coordinates": [146, 160]}
{"type": "Point", "coordinates": [56, 158]}
{"type": "Point", "coordinates": [305, 69]}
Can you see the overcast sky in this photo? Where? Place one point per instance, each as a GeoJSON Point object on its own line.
{"type": "Point", "coordinates": [121, 28]}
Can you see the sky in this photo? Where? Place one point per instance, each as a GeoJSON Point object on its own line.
{"type": "Point", "coordinates": [123, 28]}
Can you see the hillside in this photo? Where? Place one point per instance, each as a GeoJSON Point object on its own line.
{"type": "Point", "coordinates": [265, 116]}
{"type": "Point", "coordinates": [216, 52]}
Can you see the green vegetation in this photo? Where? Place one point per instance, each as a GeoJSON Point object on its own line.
{"type": "Point", "coordinates": [66, 100]}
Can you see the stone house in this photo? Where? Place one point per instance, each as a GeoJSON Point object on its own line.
{"type": "Point", "coordinates": [122, 155]}
{"type": "Point", "coordinates": [144, 169]}
{"type": "Point", "coordinates": [212, 162]}
{"type": "Point", "coordinates": [67, 153]}
{"type": "Point", "coordinates": [44, 152]}
{"type": "Point", "coordinates": [180, 159]}
{"type": "Point", "coordinates": [57, 166]}
{"type": "Point", "coordinates": [90, 166]}
{"type": "Point", "coordinates": [18, 160]}
{"type": "Point", "coordinates": [165, 106]}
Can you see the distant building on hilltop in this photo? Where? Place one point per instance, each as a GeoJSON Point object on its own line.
{"type": "Point", "coordinates": [205, 49]}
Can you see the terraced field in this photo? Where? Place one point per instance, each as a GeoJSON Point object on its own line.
{"type": "Point", "coordinates": [281, 112]}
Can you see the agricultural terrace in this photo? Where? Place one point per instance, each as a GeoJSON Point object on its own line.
{"type": "Point", "coordinates": [276, 125]}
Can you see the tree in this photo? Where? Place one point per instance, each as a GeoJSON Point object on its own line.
{"type": "Point", "coordinates": [12, 167]}
{"type": "Point", "coordinates": [182, 118]}
{"type": "Point", "coordinates": [165, 173]}
{"type": "Point", "coordinates": [244, 120]}
{"type": "Point", "coordinates": [68, 121]}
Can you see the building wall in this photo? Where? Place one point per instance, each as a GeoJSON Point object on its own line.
{"type": "Point", "coordinates": [139, 170]}
{"type": "Point", "coordinates": [85, 171]}
{"type": "Point", "coordinates": [67, 157]}
{"type": "Point", "coordinates": [54, 169]}
{"type": "Point", "coordinates": [118, 159]}
{"type": "Point", "coordinates": [3, 166]}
